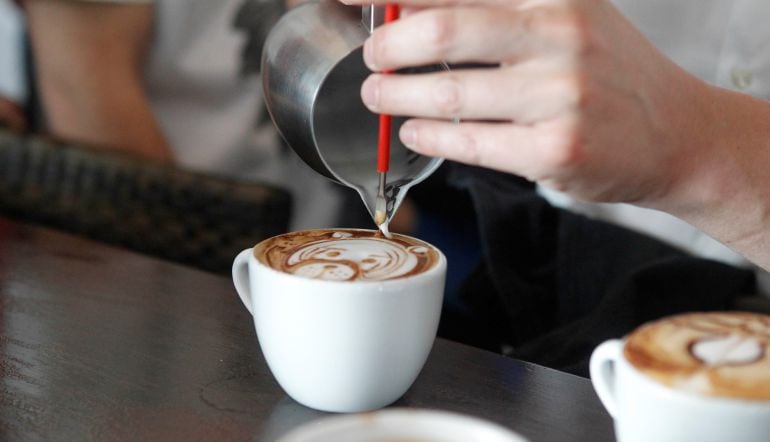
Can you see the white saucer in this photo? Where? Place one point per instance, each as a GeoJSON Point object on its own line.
{"type": "Point", "coordinates": [402, 425]}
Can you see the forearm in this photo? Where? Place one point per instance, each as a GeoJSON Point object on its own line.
{"type": "Point", "coordinates": [89, 60]}
{"type": "Point", "coordinates": [113, 114]}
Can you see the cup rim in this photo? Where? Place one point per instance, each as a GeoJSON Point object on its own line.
{"type": "Point", "coordinates": [687, 395]}
{"type": "Point", "coordinates": [440, 265]}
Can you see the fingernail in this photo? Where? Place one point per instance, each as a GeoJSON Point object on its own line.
{"type": "Point", "coordinates": [408, 134]}
{"type": "Point", "coordinates": [369, 54]}
{"type": "Point", "coordinates": [370, 92]}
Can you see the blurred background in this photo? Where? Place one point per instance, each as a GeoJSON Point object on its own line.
{"type": "Point", "coordinates": [141, 123]}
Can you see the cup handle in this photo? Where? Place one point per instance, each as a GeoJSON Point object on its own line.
{"type": "Point", "coordinates": [241, 277]}
{"type": "Point", "coordinates": [602, 367]}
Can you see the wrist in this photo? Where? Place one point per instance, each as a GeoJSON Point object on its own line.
{"type": "Point", "coordinates": [723, 190]}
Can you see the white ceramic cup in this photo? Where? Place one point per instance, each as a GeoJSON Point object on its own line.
{"type": "Point", "coordinates": [645, 410]}
{"type": "Point", "coordinates": [342, 346]}
{"type": "Point", "coordinates": [402, 425]}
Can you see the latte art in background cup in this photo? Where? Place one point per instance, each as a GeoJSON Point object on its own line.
{"type": "Point", "coordinates": [345, 318]}
{"type": "Point", "coordinates": [691, 377]}
{"type": "Point", "coordinates": [717, 354]}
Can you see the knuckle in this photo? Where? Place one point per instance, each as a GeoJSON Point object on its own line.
{"type": "Point", "coordinates": [548, 18]}
{"type": "Point", "coordinates": [442, 29]}
{"type": "Point", "coordinates": [575, 88]}
{"type": "Point", "coordinates": [449, 96]}
{"type": "Point", "coordinates": [534, 20]}
{"type": "Point", "coordinates": [573, 22]}
{"type": "Point", "coordinates": [563, 150]}
{"type": "Point", "coordinates": [379, 47]}
{"type": "Point", "coordinates": [469, 147]}
{"type": "Point", "coordinates": [567, 24]}
{"type": "Point", "coordinates": [575, 28]}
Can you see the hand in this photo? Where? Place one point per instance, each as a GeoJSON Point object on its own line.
{"type": "Point", "coordinates": [576, 98]}
{"type": "Point", "coordinates": [12, 116]}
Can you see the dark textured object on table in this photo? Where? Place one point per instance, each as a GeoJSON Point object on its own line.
{"type": "Point", "coordinates": [156, 209]}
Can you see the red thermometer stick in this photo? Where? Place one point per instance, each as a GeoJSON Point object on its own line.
{"type": "Point", "coordinates": [383, 146]}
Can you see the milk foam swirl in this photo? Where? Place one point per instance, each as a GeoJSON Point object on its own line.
{"type": "Point", "coordinates": [346, 255]}
{"type": "Point", "coordinates": [722, 354]}
{"type": "Point", "coordinates": [367, 259]}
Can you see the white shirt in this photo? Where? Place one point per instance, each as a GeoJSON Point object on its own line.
{"type": "Point", "coordinates": [209, 109]}
{"type": "Point", "coordinates": [726, 43]}
{"type": "Point", "coordinates": [212, 113]}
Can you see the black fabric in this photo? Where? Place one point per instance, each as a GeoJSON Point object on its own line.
{"type": "Point", "coordinates": [158, 209]}
{"type": "Point", "coordinates": [552, 285]}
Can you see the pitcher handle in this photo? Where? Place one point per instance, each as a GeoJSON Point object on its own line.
{"type": "Point", "coordinates": [241, 278]}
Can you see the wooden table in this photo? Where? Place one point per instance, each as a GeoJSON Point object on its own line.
{"type": "Point", "coordinates": [97, 343]}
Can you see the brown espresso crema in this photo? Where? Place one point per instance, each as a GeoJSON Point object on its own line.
{"type": "Point", "coordinates": [720, 354]}
{"type": "Point", "coordinates": [347, 255]}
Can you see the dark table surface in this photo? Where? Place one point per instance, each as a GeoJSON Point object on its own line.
{"type": "Point", "coordinates": [97, 343]}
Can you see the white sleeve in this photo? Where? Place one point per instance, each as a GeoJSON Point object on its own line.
{"type": "Point", "coordinates": [13, 84]}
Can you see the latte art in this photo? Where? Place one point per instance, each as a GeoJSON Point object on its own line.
{"type": "Point", "coordinates": [346, 255]}
{"type": "Point", "coordinates": [721, 354]}
{"type": "Point", "coordinates": [344, 259]}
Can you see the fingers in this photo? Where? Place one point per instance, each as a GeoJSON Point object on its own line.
{"type": "Point", "coordinates": [496, 146]}
{"type": "Point", "coordinates": [504, 94]}
{"type": "Point", "coordinates": [472, 34]}
{"type": "Point", "coordinates": [549, 152]}
{"type": "Point", "coordinates": [431, 36]}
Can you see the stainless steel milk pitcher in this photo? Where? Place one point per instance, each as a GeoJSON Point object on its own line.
{"type": "Point", "coordinates": [313, 68]}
